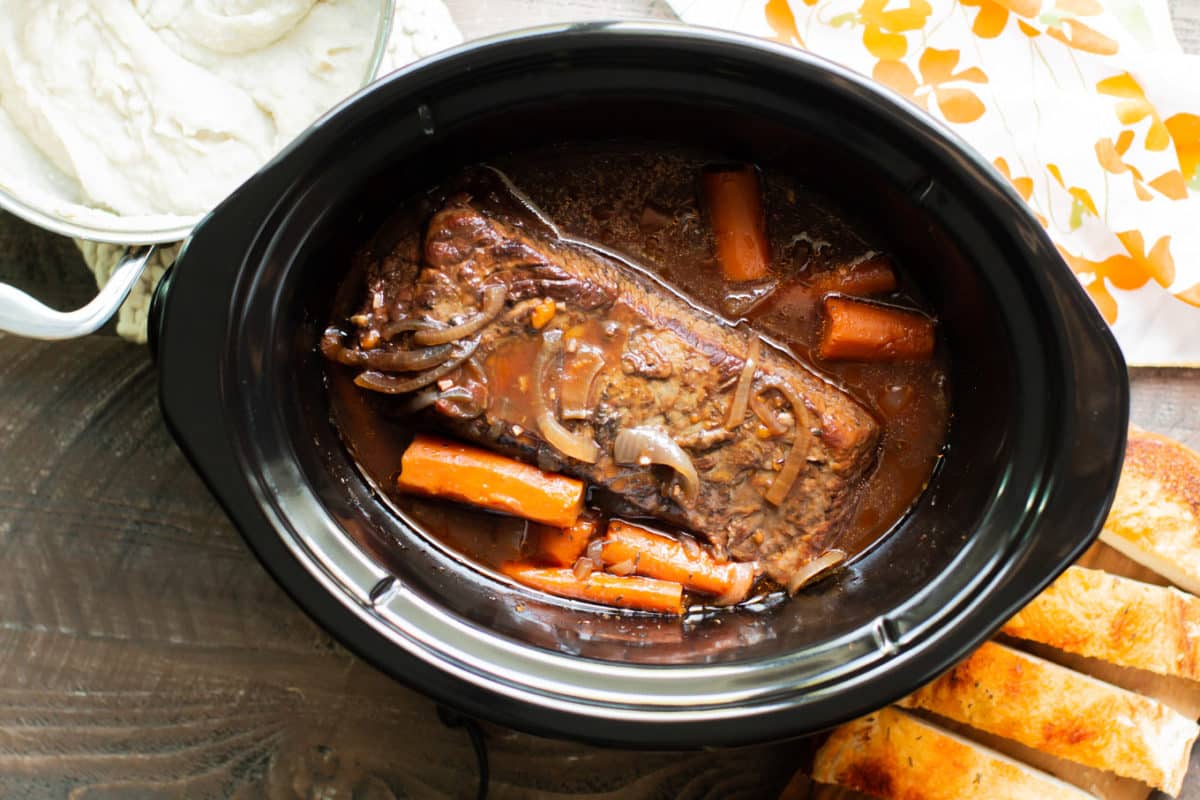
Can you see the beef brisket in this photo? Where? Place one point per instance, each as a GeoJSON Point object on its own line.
{"type": "Point", "coordinates": [641, 357]}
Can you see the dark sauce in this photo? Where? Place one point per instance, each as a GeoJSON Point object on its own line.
{"type": "Point", "coordinates": [643, 202]}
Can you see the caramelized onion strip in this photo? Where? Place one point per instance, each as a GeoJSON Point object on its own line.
{"type": "Point", "coordinates": [573, 445]}
{"type": "Point", "coordinates": [493, 303]}
{"type": "Point", "coordinates": [747, 573]}
{"type": "Point", "coordinates": [795, 460]}
{"type": "Point", "coordinates": [391, 384]}
{"type": "Point", "coordinates": [644, 446]}
{"type": "Point", "coordinates": [741, 394]}
{"type": "Point", "coordinates": [420, 401]}
{"type": "Point", "coordinates": [405, 360]}
{"type": "Point", "coordinates": [766, 414]}
{"type": "Point", "coordinates": [576, 386]}
{"type": "Point", "coordinates": [815, 569]}
{"type": "Point", "coordinates": [382, 360]}
{"type": "Point", "coordinates": [389, 331]}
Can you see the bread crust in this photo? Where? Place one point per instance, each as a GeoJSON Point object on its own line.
{"type": "Point", "coordinates": [1125, 622]}
{"type": "Point", "coordinates": [893, 755]}
{"type": "Point", "coordinates": [1064, 713]}
{"type": "Point", "coordinates": [1155, 517]}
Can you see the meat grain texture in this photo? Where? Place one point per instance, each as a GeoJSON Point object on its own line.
{"type": "Point", "coordinates": [663, 364]}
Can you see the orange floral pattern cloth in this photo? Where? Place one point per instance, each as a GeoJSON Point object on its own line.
{"type": "Point", "coordinates": [1089, 108]}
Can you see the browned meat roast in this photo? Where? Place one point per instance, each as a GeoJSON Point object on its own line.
{"type": "Point", "coordinates": [556, 353]}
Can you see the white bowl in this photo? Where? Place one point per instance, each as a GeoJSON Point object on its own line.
{"type": "Point", "coordinates": [67, 218]}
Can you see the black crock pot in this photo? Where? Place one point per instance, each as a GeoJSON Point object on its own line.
{"type": "Point", "coordinates": [1038, 385]}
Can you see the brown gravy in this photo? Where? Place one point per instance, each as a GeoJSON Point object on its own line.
{"type": "Point", "coordinates": [643, 202]}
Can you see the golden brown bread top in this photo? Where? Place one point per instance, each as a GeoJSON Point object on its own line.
{"type": "Point", "coordinates": [1064, 713]}
{"type": "Point", "coordinates": [893, 755]}
{"type": "Point", "coordinates": [1155, 520]}
{"type": "Point", "coordinates": [1155, 517]}
{"type": "Point", "coordinates": [1173, 464]}
{"type": "Point", "coordinates": [1118, 620]}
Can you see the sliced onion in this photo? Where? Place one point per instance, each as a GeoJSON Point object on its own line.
{"type": "Point", "coordinates": [815, 568]}
{"type": "Point", "coordinates": [420, 401]}
{"type": "Point", "coordinates": [655, 446]}
{"type": "Point", "coordinates": [379, 359]}
{"type": "Point", "coordinates": [404, 325]}
{"type": "Point", "coordinates": [623, 568]}
{"type": "Point", "coordinates": [741, 395]}
{"type": "Point", "coordinates": [469, 397]}
{"type": "Point", "coordinates": [493, 303]}
{"type": "Point", "coordinates": [746, 573]}
{"type": "Point", "coordinates": [474, 365]}
{"type": "Point", "coordinates": [384, 360]}
{"type": "Point", "coordinates": [576, 387]}
{"type": "Point", "coordinates": [573, 445]}
{"type": "Point", "coordinates": [459, 396]}
{"type": "Point", "coordinates": [520, 309]}
{"type": "Point", "coordinates": [390, 384]}
{"type": "Point", "coordinates": [461, 402]}
{"type": "Point", "coordinates": [480, 378]}
{"type": "Point", "coordinates": [795, 461]}
{"type": "Point", "coordinates": [691, 548]}
{"type": "Point", "coordinates": [405, 360]}
{"type": "Point", "coordinates": [594, 550]}
{"type": "Point", "coordinates": [765, 414]}
{"type": "Point", "coordinates": [583, 568]}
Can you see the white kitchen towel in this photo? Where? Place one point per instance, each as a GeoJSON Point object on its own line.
{"type": "Point", "coordinates": [1089, 108]}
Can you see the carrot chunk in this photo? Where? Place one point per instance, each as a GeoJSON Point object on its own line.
{"type": "Point", "coordinates": [859, 331]}
{"type": "Point", "coordinates": [542, 313]}
{"type": "Point", "coordinates": [439, 467]}
{"type": "Point", "coordinates": [562, 547]}
{"type": "Point", "coordinates": [657, 556]}
{"type": "Point", "coordinates": [872, 275]}
{"type": "Point", "coordinates": [735, 211]}
{"type": "Point", "coordinates": [645, 594]}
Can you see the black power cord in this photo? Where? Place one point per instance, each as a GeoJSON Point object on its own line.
{"type": "Point", "coordinates": [452, 719]}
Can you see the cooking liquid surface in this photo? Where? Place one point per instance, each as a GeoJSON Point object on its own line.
{"type": "Point", "coordinates": [643, 202]}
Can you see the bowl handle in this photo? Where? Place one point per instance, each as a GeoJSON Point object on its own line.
{"type": "Point", "coordinates": [25, 316]}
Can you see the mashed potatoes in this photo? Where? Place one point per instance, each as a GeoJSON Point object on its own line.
{"type": "Point", "coordinates": [157, 109]}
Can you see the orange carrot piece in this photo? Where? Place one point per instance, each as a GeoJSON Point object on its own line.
{"type": "Point", "coordinates": [859, 331]}
{"type": "Point", "coordinates": [645, 594]}
{"type": "Point", "coordinates": [657, 556]}
{"type": "Point", "coordinates": [872, 275]}
{"type": "Point", "coordinates": [735, 211]}
{"type": "Point", "coordinates": [562, 547]}
{"type": "Point", "coordinates": [441, 468]}
{"type": "Point", "coordinates": [542, 313]}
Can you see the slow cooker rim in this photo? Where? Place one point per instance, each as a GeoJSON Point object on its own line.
{"type": "Point", "coordinates": [309, 600]}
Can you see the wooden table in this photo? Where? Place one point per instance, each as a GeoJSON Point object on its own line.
{"type": "Point", "coordinates": [145, 653]}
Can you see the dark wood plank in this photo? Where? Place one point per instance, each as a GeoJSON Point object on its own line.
{"type": "Point", "coordinates": [144, 652]}
{"type": "Point", "coordinates": [1167, 401]}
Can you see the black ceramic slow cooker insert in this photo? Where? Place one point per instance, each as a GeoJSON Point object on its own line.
{"type": "Point", "coordinates": [1039, 389]}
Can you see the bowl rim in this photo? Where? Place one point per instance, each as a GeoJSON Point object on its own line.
{"type": "Point", "coordinates": [351, 612]}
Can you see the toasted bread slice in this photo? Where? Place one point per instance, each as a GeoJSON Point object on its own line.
{"type": "Point", "coordinates": [1064, 713]}
{"type": "Point", "coordinates": [1155, 517]}
{"type": "Point", "coordinates": [1118, 620]}
{"type": "Point", "coordinates": [891, 754]}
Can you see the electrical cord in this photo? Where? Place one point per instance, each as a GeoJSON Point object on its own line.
{"type": "Point", "coordinates": [452, 719]}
